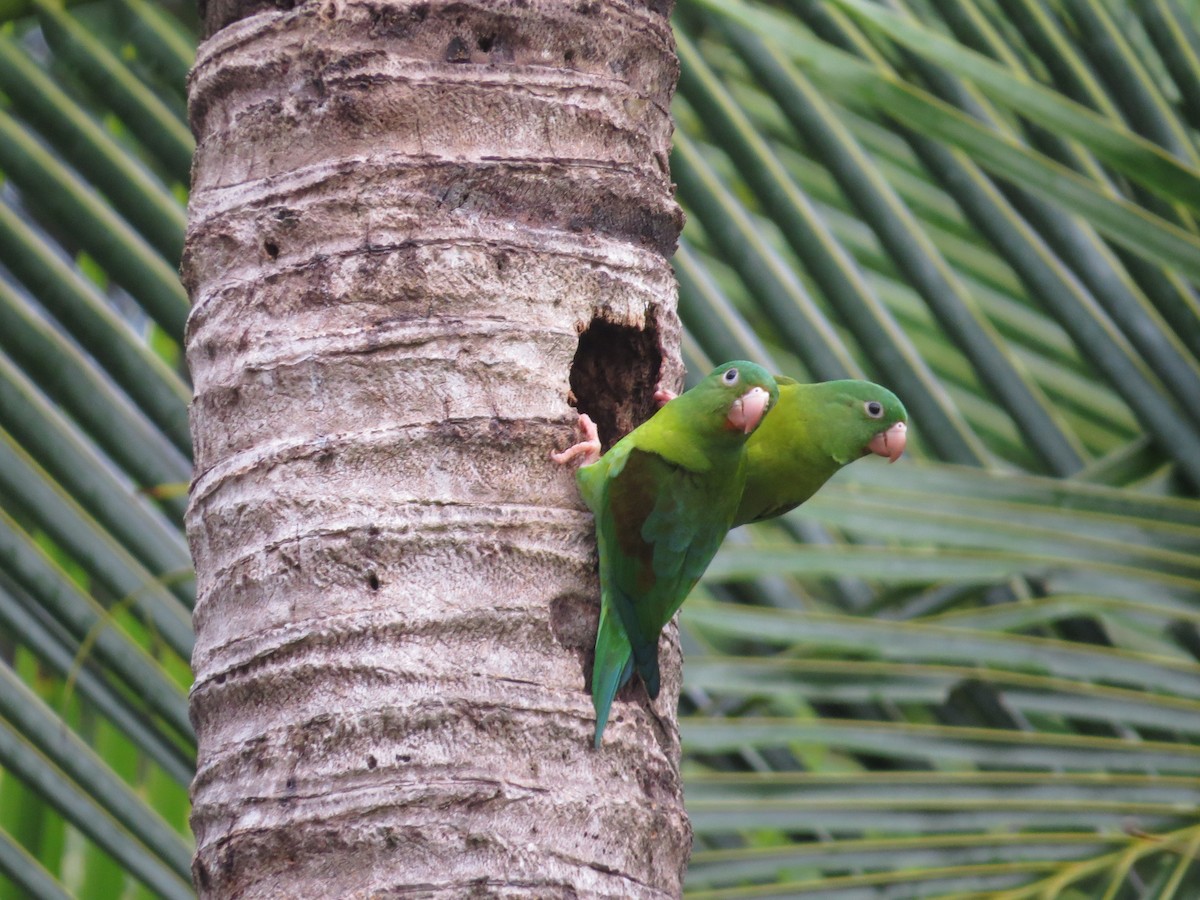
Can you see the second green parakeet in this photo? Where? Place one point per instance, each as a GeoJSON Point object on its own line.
{"type": "Point", "coordinates": [815, 430]}
{"type": "Point", "coordinates": [664, 497]}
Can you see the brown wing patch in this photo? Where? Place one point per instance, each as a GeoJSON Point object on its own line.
{"type": "Point", "coordinates": [632, 496]}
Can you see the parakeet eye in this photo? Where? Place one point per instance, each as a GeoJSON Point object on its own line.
{"type": "Point", "coordinates": [874, 409]}
{"type": "Point", "coordinates": [731, 376]}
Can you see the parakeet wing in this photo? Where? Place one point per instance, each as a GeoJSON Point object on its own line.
{"type": "Point", "coordinates": [613, 664]}
{"type": "Point", "coordinates": [666, 524]}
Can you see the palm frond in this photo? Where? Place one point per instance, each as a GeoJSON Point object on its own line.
{"type": "Point", "coordinates": [1011, 711]}
{"type": "Point", "coordinates": [96, 749]}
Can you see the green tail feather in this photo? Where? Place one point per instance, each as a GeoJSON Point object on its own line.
{"type": "Point", "coordinates": [648, 670]}
{"type": "Point", "coordinates": [613, 667]}
{"type": "Point", "coordinates": [645, 652]}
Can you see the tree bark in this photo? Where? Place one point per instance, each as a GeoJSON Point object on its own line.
{"type": "Point", "coordinates": [418, 230]}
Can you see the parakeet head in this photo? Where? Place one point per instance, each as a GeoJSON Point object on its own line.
{"type": "Point", "coordinates": [739, 392]}
{"type": "Point", "coordinates": [859, 418]}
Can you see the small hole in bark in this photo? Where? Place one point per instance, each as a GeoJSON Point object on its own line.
{"type": "Point", "coordinates": [573, 619]}
{"type": "Point", "coordinates": [372, 762]}
{"type": "Point", "coordinates": [202, 876]}
{"type": "Point", "coordinates": [373, 580]}
{"type": "Point", "coordinates": [272, 249]}
{"type": "Point", "coordinates": [457, 51]}
{"type": "Point", "coordinates": [614, 374]}
{"type": "Point", "coordinates": [569, 57]}
{"type": "Point", "coordinates": [485, 42]}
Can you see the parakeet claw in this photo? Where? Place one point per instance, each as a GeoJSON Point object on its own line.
{"type": "Point", "coordinates": [588, 448]}
{"type": "Point", "coordinates": [662, 396]}
{"type": "Point", "coordinates": [890, 443]}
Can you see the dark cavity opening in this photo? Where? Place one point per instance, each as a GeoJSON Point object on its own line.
{"type": "Point", "coordinates": [614, 375]}
{"type": "Point", "coordinates": [457, 51]}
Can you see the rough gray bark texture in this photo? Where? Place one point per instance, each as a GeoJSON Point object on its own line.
{"type": "Point", "coordinates": [418, 230]}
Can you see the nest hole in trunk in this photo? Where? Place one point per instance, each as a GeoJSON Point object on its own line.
{"type": "Point", "coordinates": [614, 375]}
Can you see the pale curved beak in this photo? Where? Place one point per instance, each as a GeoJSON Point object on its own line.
{"type": "Point", "coordinates": [747, 410]}
{"type": "Point", "coordinates": [890, 443]}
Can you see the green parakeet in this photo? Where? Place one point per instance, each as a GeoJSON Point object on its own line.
{"type": "Point", "coordinates": [664, 497]}
{"type": "Point", "coordinates": [814, 431]}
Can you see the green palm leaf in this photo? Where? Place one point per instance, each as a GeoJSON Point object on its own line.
{"type": "Point", "coordinates": [96, 586]}
{"type": "Point", "coordinates": [1023, 666]}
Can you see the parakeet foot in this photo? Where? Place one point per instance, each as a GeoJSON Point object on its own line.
{"type": "Point", "coordinates": [588, 448]}
{"type": "Point", "coordinates": [662, 396]}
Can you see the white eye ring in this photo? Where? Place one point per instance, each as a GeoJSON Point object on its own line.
{"type": "Point", "coordinates": [731, 376]}
{"type": "Point", "coordinates": [874, 409]}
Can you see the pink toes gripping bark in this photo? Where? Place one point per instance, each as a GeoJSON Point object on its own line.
{"type": "Point", "coordinates": [662, 396]}
{"type": "Point", "coordinates": [588, 448]}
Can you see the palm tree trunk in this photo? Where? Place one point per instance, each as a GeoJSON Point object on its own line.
{"type": "Point", "coordinates": [417, 229]}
